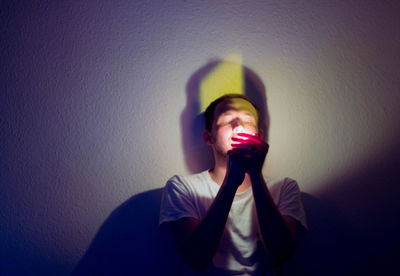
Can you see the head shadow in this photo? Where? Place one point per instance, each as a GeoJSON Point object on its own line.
{"type": "Point", "coordinates": [198, 156]}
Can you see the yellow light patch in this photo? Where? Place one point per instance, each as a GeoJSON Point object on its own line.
{"type": "Point", "coordinates": [226, 78]}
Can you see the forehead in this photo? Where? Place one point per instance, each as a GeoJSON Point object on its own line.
{"type": "Point", "coordinates": [236, 104]}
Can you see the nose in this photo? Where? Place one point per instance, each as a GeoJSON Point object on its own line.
{"type": "Point", "coordinates": [238, 129]}
{"type": "Point", "coordinates": [237, 125]}
{"type": "Point", "coordinates": [236, 122]}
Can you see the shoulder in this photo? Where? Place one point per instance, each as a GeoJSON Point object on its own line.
{"type": "Point", "coordinates": [287, 196]}
{"type": "Point", "coordinates": [282, 187]}
{"type": "Point", "coordinates": [180, 198]}
{"type": "Point", "coordinates": [188, 182]}
{"type": "Point", "coordinates": [282, 183]}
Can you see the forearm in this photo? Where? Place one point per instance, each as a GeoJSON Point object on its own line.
{"type": "Point", "coordinates": [276, 236]}
{"type": "Point", "coordinates": [202, 243]}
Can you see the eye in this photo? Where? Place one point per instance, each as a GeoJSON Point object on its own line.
{"type": "Point", "coordinates": [225, 120]}
{"type": "Point", "coordinates": [249, 124]}
{"type": "Point", "coordinates": [249, 121]}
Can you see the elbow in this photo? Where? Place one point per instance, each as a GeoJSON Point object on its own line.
{"type": "Point", "coordinates": [199, 267]}
{"type": "Point", "coordinates": [196, 264]}
{"type": "Point", "coordinates": [196, 259]}
{"type": "Point", "coordinates": [288, 253]}
{"type": "Point", "coordinates": [285, 252]}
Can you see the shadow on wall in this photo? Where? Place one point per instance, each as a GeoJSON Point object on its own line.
{"type": "Point", "coordinates": [361, 237]}
{"type": "Point", "coordinates": [353, 227]}
{"type": "Point", "coordinates": [131, 243]}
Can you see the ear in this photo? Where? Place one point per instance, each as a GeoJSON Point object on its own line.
{"type": "Point", "coordinates": [261, 133]}
{"type": "Point", "coordinates": [207, 137]}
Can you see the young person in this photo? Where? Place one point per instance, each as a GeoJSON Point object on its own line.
{"type": "Point", "coordinates": [230, 219]}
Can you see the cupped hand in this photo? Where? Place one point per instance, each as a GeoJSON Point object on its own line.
{"type": "Point", "coordinates": [250, 150]}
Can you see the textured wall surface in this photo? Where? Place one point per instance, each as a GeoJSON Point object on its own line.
{"type": "Point", "coordinates": [92, 94]}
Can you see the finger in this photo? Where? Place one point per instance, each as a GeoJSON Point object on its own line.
{"type": "Point", "coordinates": [259, 142]}
{"type": "Point", "coordinates": [237, 139]}
{"type": "Point", "coordinates": [255, 138]}
{"type": "Point", "coordinates": [248, 135]}
{"type": "Point", "coordinates": [249, 148]}
{"type": "Point", "coordinates": [241, 146]}
{"type": "Point", "coordinates": [242, 152]}
{"type": "Point", "coordinates": [233, 152]}
{"type": "Point", "coordinates": [247, 141]}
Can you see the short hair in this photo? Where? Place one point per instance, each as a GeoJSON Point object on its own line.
{"type": "Point", "coordinates": [209, 113]}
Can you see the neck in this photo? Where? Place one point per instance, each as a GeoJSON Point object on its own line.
{"type": "Point", "coordinates": [218, 174]}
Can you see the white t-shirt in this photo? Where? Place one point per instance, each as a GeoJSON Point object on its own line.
{"type": "Point", "coordinates": [192, 196]}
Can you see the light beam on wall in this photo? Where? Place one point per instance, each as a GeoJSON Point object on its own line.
{"type": "Point", "coordinates": [226, 78]}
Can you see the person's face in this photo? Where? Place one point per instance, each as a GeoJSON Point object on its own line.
{"type": "Point", "coordinates": [231, 117]}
